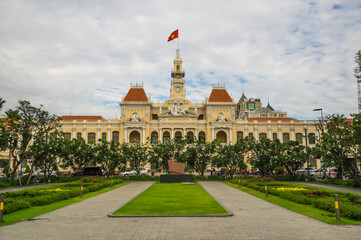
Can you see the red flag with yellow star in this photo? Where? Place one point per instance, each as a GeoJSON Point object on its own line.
{"type": "Point", "coordinates": [173, 35]}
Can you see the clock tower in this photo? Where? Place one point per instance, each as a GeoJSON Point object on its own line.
{"type": "Point", "coordinates": [178, 90]}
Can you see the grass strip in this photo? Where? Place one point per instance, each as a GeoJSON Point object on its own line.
{"type": "Point", "coordinates": [307, 210]}
{"type": "Point", "coordinates": [172, 199]}
{"type": "Point", "coordinates": [34, 211]}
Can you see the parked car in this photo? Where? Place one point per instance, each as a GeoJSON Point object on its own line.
{"type": "Point", "coordinates": [39, 174]}
{"type": "Point", "coordinates": [90, 171]}
{"type": "Point", "coordinates": [132, 172]}
{"type": "Point", "coordinates": [3, 175]}
{"type": "Point", "coordinates": [303, 171]}
{"type": "Point", "coordinates": [323, 173]}
{"type": "Point", "coordinates": [349, 176]}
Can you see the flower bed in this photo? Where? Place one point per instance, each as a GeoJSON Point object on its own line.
{"type": "Point", "coordinates": [14, 201]}
{"type": "Point", "coordinates": [349, 204]}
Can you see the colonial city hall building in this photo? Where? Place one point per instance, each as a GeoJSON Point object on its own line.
{"type": "Point", "coordinates": [218, 117]}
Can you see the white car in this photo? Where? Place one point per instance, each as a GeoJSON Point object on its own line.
{"type": "Point", "coordinates": [303, 171]}
{"type": "Point", "coordinates": [132, 172]}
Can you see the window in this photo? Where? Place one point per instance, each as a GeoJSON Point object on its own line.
{"type": "Point", "coordinates": [263, 136]}
{"type": "Point", "coordinates": [67, 135]}
{"type": "Point", "coordinates": [200, 117]}
{"type": "Point", "coordinates": [154, 116]}
{"type": "Point", "coordinates": [115, 137]}
{"type": "Point", "coordinates": [190, 137]}
{"type": "Point", "coordinates": [286, 137]}
{"type": "Point", "coordinates": [299, 138]}
{"type": "Point", "coordinates": [201, 136]}
{"type": "Point", "coordinates": [250, 135]}
{"type": "Point", "coordinates": [311, 138]}
{"type": "Point", "coordinates": [274, 136]}
{"type": "Point", "coordinates": [166, 137]}
{"type": "Point", "coordinates": [91, 138]}
{"type": "Point", "coordinates": [78, 135]}
{"type": "Point", "coordinates": [104, 136]}
{"type": "Point", "coordinates": [154, 137]}
{"type": "Point", "coordinates": [239, 135]}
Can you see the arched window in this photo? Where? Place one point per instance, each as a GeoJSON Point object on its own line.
{"type": "Point", "coordinates": [115, 136]}
{"type": "Point", "coordinates": [299, 138]}
{"type": "Point", "coordinates": [190, 137]}
{"type": "Point", "coordinates": [78, 135]}
{"type": "Point", "coordinates": [104, 136]}
{"type": "Point", "coordinates": [221, 137]}
{"type": "Point", "coordinates": [166, 137]}
{"type": "Point", "coordinates": [274, 136]}
{"type": "Point", "coordinates": [202, 136]}
{"type": "Point", "coordinates": [286, 137]}
{"type": "Point", "coordinates": [250, 135]}
{"type": "Point", "coordinates": [178, 135]}
{"type": "Point", "coordinates": [239, 135]}
{"type": "Point", "coordinates": [67, 135]}
{"type": "Point", "coordinates": [134, 137]}
{"type": "Point", "coordinates": [262, 136]}
{"type": "Point", "coordinates": [311, 138]}
{"type": "Point", "coordinates": [91, 138]}
{"type": "Point", "coordinates": [154, 137]}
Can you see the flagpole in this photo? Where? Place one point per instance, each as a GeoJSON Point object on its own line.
{"type": "Point", "coordinates": [178, 38]}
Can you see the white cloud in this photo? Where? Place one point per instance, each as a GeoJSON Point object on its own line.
{"type": "Point", "coordinates": [82, 55]}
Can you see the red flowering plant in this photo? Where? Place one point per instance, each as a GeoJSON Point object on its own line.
{"type": "Point", "coordinates": [261, 179]}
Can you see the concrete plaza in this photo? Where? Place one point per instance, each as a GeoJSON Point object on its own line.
{"type": "Point", "coordinates": [253, 219]}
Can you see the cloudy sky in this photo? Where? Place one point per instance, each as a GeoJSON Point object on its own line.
{"type": "Point", "coordinates": [80, 57]}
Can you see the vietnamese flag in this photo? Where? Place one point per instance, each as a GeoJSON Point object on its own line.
{"type": "Point", "coordinates": [173, 35]}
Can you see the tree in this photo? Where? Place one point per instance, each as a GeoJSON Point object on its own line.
{"type": "Point", "coordinates": [108, 156]}
{"type": "Point", "coordinates": [4, 132]}
{"type": "Point", "coordinates": [357, 69]}
{"type": "Point", "coordinates": [231, 157]}
{"type": "Point", "coordinates": [336, 143]}
{"type": "Point", "coordinates": [264, 155]}
{"type": "Point", "coordinates": [138, 156]}
{"type": "Point", "coordinates": [45, 152]}
{"type": "Point", "coordinates": [77, 154]}
{"type": "Point", "coordinates": [23, 124]}
{"type": "Point", "coordinates": [205, 152]}
{"type": "Point", "coordinates": [292, 156]}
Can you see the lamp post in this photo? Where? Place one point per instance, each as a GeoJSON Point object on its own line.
{"type": "Point", "coordinates": [308, 168]}
{"type": "Point", "coordinates": [322, 130]}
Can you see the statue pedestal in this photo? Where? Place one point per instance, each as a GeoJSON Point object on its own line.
{"type": "Point", "coordinates": [167, 178]}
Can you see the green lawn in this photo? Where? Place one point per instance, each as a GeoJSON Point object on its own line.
{"type": "Point", "coordinates": [172, 199]}
{"type": "Point", "coordinates": [307, 210]}
{"type": "Point", "coordinates": [34, 211]}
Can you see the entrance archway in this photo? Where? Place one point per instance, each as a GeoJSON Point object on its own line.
{"type": "Point", "coordinates": [221, 137]}
{"type": "Point", "coordinates": [134, 137]}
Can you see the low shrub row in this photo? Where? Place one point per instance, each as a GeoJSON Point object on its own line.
{"type": "Point", "coordinates": [347, 183]}
{"type": "Point", "coordinates": [350, 204]}
{"type": "Point", "coordinates": [14, 201]}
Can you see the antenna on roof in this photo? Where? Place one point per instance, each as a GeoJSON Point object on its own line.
{"type": "Point", "coordinates": [70, 111]}
{"type": "Point", "coordinates": [268, 98]}
{"type": "Point", "coordinates": [242, 87]}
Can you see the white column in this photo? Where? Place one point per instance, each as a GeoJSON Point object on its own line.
{"type": "Point", "coordinates": [256, 132]}
{"type": "Point", "coordinates": [143, 135]}
{"type": "Point", "coordinates": [292, 133]}
{"type": "Point", "coordinates": [230, 134]}
{"type": "Point", "coordinates": [280, 133]}
{"type": "Point", "coordinates": [160, 135]}
{"type": "Point", "coordinates": [84, 130]}
{"type": "Point", "coordinates": [196, 133]}
{"type": "Point", "coordinates": [126, 134]}
{"type": "Point", "coordinates": [74, 130]}
{"type": "Point", "coordinates": [269, 132]}
{"type": "Point", "coordinates": [172, 133]}
{"type": "Point", "coordinates": [245, 130]}
{"type": "Point", "coordinates": [96, 139]}
{"type": "Point", "coordinates": [212, 133]}
{"type": "Point", "coordinates": [108, 137]}
{"type": "Point", "coordinates": [184, 132]}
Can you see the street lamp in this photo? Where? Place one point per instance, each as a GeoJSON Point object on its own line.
{"type": "Point", "coordinates": [322, 131]}
{"type": "Point", "coordinates": [308, 168]}
{"type": "Point", "coordinates": [318, 110]}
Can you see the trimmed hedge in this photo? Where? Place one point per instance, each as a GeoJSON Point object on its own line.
{"type": "Point", "coordinates": [349, 203]}
{"type": "Point", "coordinates": [14, 201]}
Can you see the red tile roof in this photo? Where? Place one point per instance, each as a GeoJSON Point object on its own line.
{"type": "Point", "coordinates": [82, 118]}
{"type": "Point", "coordinates": [136, 95]}
{"type": "Point", "coordinates": [270, 118]}
{"type": "Point", "coordinates": [219, 95]}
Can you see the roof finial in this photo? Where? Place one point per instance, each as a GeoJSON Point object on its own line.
{"type": "Point", "coordinates": [177, 56]}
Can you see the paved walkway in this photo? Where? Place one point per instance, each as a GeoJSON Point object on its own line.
{"type": "Point", "coordinates": [253, 219]}
{"type": "Point", "coordinates": [332, 187]}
